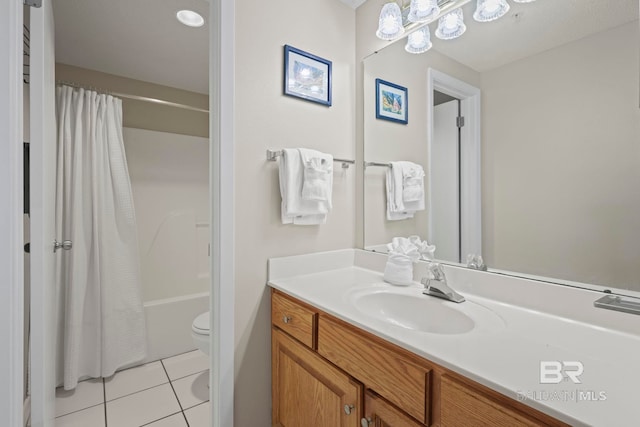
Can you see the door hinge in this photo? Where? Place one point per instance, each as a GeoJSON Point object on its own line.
{"type": "Point", "coordinates": [33, 3]}
{"type": "Point", "coordinates": [460, 121]}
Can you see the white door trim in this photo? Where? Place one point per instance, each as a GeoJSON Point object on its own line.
{"type": "Point", "coordinates": [221, 105]}
{"type": "Point", "coordinates": [471, 211]}
{"type": "Point", "coordinates": [11, 217]}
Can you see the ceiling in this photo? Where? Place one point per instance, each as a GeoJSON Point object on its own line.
{"type": "Point", "coordinates": [139, 39]}
{"type": "Point", "coordinates": [531, 28]}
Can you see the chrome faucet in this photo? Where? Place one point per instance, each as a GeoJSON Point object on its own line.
{"type": "Point", "coordinates": [436, 285]}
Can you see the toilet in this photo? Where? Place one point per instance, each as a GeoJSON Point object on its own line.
{"type": "Point", "coordinates": [200, 332]}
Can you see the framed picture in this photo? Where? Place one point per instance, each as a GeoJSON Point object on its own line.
{"type": "Point", "coordinates": [307, 76]}
{"type": "Point", "coordinates": [392, 102]}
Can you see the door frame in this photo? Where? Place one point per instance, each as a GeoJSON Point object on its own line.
{"type": "Point", "coordinates": [470, 157]}
{"type": "Point", "coordinates": [11, 215]}
{"type": "Point", "coordinates": [221, 164]}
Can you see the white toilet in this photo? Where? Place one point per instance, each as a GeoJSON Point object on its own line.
{"type": "Point", "coordinates": [200, 332]}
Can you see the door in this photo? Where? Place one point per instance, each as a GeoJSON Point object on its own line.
{"type": "Point", "coordinates": [445, 185]}
{"type": "Point", "coordinates": [42, 181]}
{"type": "Point", "coordinates": [380, 413]}
{"type": "Point", "coordinates": [308, 391]}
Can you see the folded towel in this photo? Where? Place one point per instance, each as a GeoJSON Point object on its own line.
{"type": "Point", "coordinates": [405, 190]}
{"type": "Point", "coordinates": [295, 209]}
{"type": "Point", "coordinates": [404, 246]}
{"type": "Point", "coordinates": [427, 251]}
{"type": "Point", "coordinates": [398, 270]}
{"type": "Point", "coordinates": [318, 175]}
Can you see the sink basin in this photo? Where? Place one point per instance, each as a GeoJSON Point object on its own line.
{"type": "Point", "coordinates": [408, 308]}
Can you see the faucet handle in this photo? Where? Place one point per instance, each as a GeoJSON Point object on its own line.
{"type": "Point", "coordinates": [435, 271]}
{"type": "Point", "coordinates": [475, 262]}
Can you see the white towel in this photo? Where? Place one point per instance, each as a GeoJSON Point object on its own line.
{"type": "Point", "coordinates": [318, 175]}
{"type": "Point", "coordinates": [399, 176]}
{"type": "Point", "coordinates": [296, 210]}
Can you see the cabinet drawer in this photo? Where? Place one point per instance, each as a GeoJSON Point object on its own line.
{"type": "Point", "coordinates": [294, 318]}
{"type": "Point", "coordinates": [388, 370]}
{"type": "Point", "coordinates": [463, 405]}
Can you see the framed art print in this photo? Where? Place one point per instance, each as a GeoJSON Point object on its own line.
{"type": "Point", "coordinates": [391, 102]}
{"type": "Point", "coordinates": [307, 76]}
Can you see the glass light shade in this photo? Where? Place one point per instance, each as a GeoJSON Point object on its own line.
{"type": "Point", "coordinates": [490, 10]}
{"type": "Point", "coordinates": [451, 25]}
{"type": "Point", "coordinates": [390, 23]}
{"type": "Point", "coordinates": [419, 41]}
{"type": "Point", "coordinates": [423, 10]}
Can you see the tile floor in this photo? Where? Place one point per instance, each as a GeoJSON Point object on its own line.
{"type": "Point", "coordinates": [168, 393]}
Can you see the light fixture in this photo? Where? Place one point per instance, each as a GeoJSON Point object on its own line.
{"type": "Point", "coordinates": [190, 18]}
{"type": "Point", "coordinates": [490, 10]}
{"type": "Point", "coordinates": [390, 23]}
{"type": "Point", "coordinates": [419, 41]}
{"type": "Point", "coordinates": [451, 25]}
{"type": "Point", "coordinates": [423, 10]}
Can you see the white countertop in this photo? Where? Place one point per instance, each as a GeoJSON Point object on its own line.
{"type": "Point", "coordinates": [539, 322]}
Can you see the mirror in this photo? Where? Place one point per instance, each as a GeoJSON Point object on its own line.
{"type": "Point", "coordinates": [543, 179]}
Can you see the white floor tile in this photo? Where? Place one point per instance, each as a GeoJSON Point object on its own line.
{"type": "Point", "coordinates": [87, 393]}
{"type": "Point", "coordinates": [192, 390]}
{"type": "Point", "coordinates": [93, 417]}
{"type": "Point", "coordinates": [143, 407]}
{"type": "Point", "coordinates": [134, 380]}
{"type": "Point", "coordinates": [186, 364]}
{"type": "Point", "coordinates": [176, 420]}
{"type": "Point", "coordinates": [199, 416]}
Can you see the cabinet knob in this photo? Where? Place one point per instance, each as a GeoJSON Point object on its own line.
{"type": "Point", "coordinates": [348, 409]}
{"type": "Point", "coordinates": [286, 319]}
{"type": "Point", "coordinates": [365, 422]}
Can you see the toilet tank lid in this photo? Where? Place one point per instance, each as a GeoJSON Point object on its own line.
{"type": "Point", "coordinates": [202, 322]}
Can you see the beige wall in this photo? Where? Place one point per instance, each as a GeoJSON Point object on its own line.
{"type": "Point", "coordinates": [267, 119]}
{"type": "Point", "coordinates": [562, 200]}
{"type": "Point", "coordinates": [145, 115]}
{"type": "Point", "coordinates": [388, 141]}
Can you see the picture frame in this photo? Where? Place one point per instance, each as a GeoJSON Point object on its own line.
{"type": "Point", "coordinates": [307, 76]}
{"type": "Point", "coordinates": [392, 102]}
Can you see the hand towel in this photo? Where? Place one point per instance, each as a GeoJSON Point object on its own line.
{"type": "Point", "coordinates": [318, 175]}
{"type": "Point", "coordinates": [399, 175]}
{"type": "Point", "coordinates": [294, 209]}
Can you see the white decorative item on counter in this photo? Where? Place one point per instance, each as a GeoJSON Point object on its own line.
{"type": "Point", "coordinates": [402, 254]}
{"type": "Point", "coordinates": [426, 250]}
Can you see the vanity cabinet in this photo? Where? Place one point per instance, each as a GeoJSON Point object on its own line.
{"type": "Point", "coordinates": [328, 373]}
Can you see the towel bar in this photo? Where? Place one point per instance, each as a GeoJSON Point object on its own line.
{"type": "Point", "coordinates": [272, 156]}
{"type": "Point", "coordinates": [384, 165]}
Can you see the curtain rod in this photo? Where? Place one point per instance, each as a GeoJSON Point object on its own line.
{"type": "Point", "coordinates": [134, 97]}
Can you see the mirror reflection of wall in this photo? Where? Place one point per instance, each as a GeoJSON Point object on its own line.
{"type": "Point", "coordinates": [560, 140]}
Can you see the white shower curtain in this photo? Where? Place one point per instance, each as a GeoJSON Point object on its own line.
{"type": "Point", "coordinates": [100, 313]}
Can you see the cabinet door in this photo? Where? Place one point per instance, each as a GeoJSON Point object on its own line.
{"type": "Point", "coordinates": [308, 391]}
{"type": "Point", "coordinates": [462, 405]}
{"type": "Point", "coordinates": [380, 413]}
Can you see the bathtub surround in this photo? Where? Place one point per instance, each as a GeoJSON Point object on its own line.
{"type": "Point", "coordinates": [101, 320]}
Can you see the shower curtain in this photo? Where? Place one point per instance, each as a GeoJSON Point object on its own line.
{"type": "Point", "coordinates": [101, 324]}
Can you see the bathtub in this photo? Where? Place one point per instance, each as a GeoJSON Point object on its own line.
{"type": "Point", "coordinates": [169, 324]}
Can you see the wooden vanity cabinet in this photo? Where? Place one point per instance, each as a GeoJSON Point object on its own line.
{"type": "Point", "coordinates": [328, 373]}
{"type": "Point", "coordinates": [308, 391]}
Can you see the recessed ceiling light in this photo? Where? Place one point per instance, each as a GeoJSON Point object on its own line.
{"type": "Point", "coordinates": [190, 18]}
